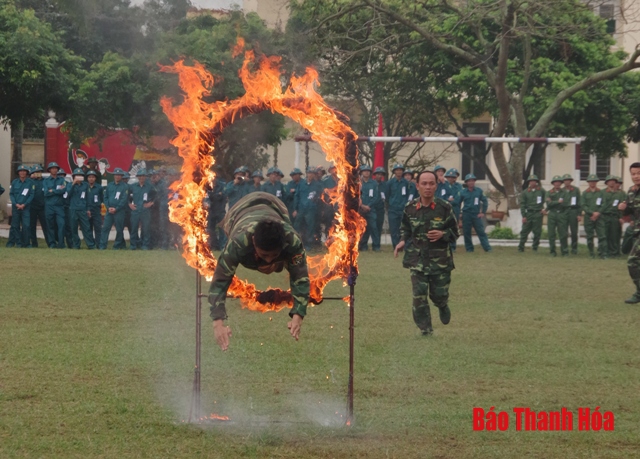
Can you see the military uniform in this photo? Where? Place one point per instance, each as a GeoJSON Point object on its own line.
{"type": "Point", "coordinates": [633, 262]}
{"type": "Point", "coordinates": [557, 207]}
{"type": "Point", "coordinates": [54, 190]}
{"type": "Point", "coordinates": [239, 225]}
{"type": "Point", "coordinates": [217, 202]}
{"type": "Point", "coordinates": [141, 196]}
{"type": "Point", "coordinates": [68, 237]}
{"type": "Point", "coordinates": [236, 191]}
{"type": "Point", "coordinates": [591, 204]}
{"type": "Point", "coordinates": [274, 188]}
{"type": "Point", "coordinates": [531, 208]}
{"type": "Point", "coordinates": [369, 196]}
{"type": "Point", "coordinates": [611, 217]}
{"type": "Point", "coordinates": [291, 190]}
{"type": "Point", "coordinates": [116, 195]}
{"type": "Point", "coordinates": [120, 242]}
{"type": "Point", "coordinates": [473, 202]}
{"type": "Point", "coordinates": [95, 196]}
{"type": "Point", "coordinates": [37, 209]}
{"type": "Point", "coordinates": [397, 199]}
{"type": "Point", "coordinates": [573, 212]}
{"type": "Point", "coordinates": [430, 263]}
{"type": "Point", "coordinates": [379, 175]}
{"type": "Point", "coordinates": [78, 208]}
{"type": "Point", "coordinates": [306, 204]}
{"type": "Point", "coordinates": [21, 193]}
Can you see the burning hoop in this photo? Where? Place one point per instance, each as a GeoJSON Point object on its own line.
{"type": "Point", "coordinates": [199, 123]}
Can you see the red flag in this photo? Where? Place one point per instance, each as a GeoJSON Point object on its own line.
{"type": "Point", "coordinates": [378, 158]}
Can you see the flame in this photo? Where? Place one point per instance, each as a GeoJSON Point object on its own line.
{"type": "Point", "coordinates": [199, 123]}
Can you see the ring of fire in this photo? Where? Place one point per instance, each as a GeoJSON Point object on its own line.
{"type": "Point", "coordinates": [199, 123]}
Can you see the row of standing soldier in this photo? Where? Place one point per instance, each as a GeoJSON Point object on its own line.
{"type": "Point", "coordinates": [62, 207]}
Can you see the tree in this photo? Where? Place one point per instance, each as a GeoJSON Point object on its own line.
{"type": "Point", "coordinates": [524, 61]}
{"type": "Point", "coordinates": [369, 67]}
{"type": "Point", "coordinates": [210, 41]}
{"type": "Point", "coordinates": [36, 71]}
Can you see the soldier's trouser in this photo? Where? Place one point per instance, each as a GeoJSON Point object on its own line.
{"type": "Point", "coordinates": [613, 232]}
{"type": "Point", "coordinates": [633, 264]}
{"type": "Point", "coordinates": [371, 231]}
{"type": "Point", "coordinates": [572, 227]}
{"type": "Point", "coordinates": [379, 223]}
{"type": "Point", "coordinates": [126, 223]}
{"type": "Point", "coordinates": [305, 226]}
{"type": "Point", "coordinates": [596, 228]}
{"type": "Point", "coordinates": [557, 221]}
{"type": "Point", "coordinates": [109, 221]}
{"type": "Point", "coordinates": [141, 220]}
{"type": "Point", "coordinates": [79, 217]}
{"type": "Point", "coordinates": [37, 213]}
{"type": "Point", "coordinates": [627, 240]}
{"type": "Point", "coordinates": [533, 224]}
{"type": "Point", "coordinates": [95, 224]}
{"type": "Point", "coordinates": [19, 232]}
{"type": "Point", "coordinates": [55, 225]}
{"type": "Point", "coordinates": [216, 235]}
{"type": "Point", "coordinates": [436, 287]}
{"type": "Point", "coordinates": [68, 237]}
{"type": "Point", "coordinates": [469, 221]}
{"type": "Point", "coordinates": [395, 220]}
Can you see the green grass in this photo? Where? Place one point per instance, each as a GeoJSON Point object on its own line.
{"type": "Point", "coordinates": [96, 360]}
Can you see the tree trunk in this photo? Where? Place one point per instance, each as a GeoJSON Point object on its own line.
{"type": "Point", "coordinates": [17, 132]}
{"type": "Point", "coordinates": [275, 156]}
{"type": "Point", "coordinates": [505, 175]}
{"type": "Point", "coordinates": [516, 167]}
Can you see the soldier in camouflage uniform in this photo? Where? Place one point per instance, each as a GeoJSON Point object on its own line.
{"type": "Point", "coordinates": [631, 207]}
{"type": "Point", "coordinates": [611, 198]}
{"type": "Point", "coordinates": [574, 211]}
{"type": "Point", "coordinates": [428, 222]}
{"type": "Point", "coordinates": [531, 207]}
{"type": "Point", "coordinates": [261, 238]}
{"type": "Point", "coordinates": [557, 216]}
{"type": "Point", "coordinates": [593, 222]}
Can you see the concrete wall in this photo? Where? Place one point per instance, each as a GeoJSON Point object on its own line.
{"type": "Point", "coordinates": [5, 168]}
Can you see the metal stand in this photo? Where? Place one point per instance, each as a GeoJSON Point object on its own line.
{"type": "Point", "coordinates": [352, 284]}
{"type": "Point", "coordinates": [195, 398]}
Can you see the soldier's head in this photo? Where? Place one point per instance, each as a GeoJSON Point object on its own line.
{"type": "Point", "coordinates": [635, 173]}
{"type": "Point", "coordinates": [427, 184]}
{"type": "Point", "coordinates": [268, 239]}
{"type": "Point", "coordinates": [91, 176]}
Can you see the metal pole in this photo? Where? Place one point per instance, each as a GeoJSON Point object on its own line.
{"type": "Point", "coordinates": [352, 284]}
{"type": "Point", "coordinates": [196, 376]}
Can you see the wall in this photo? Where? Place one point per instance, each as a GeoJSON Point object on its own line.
{"type": "Point", "coordinates": [5, 168]}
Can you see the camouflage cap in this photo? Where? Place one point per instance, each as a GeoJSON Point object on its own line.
{"type": "Point", "coordinates": [271, 170]}
{"type": "Point", "coordinates": [118, 171]}
{"type": "Point", "coordinates": [365, 167]}
{"type": "Point", "coordinates": [141, 173]}
{"type": "Point", "coordinates": [396, 167]}
{"type": "Point", "coordinates": [91, 172]}
{"type": "Point", "coordinates": [619, 179]}
{"type": "Point", "coordinates": [52, 165]}
{"type": "Point", "coordinates": [609, 177]}
{"type": "Point", "coordinates": [295, 171]}
{"type": "Point", "coordinates": [593, 178]}
{"type": "Point", "coordinates": [533, 177]}
{"type": "Point", "coordinates": [557, 178]}
{"type": "Point", "coordinates": [567, 177]}
{"type": "Point", "coordinates": [469, 177]}
{"type": "Point", "coordinates": [36, 168]}
{"type": "Point", "coordinates": [453, 172]}
{"type": "Point", "coordinates": [257, 173]}
{"type": "Point", "coordinates": [77, 171]}
{"type": "Point", "coordinates": [380, 170]}
{"type": "Point", "coordinates": [22, 167]}
{"type": "Point", "coordinates": [438, 167]}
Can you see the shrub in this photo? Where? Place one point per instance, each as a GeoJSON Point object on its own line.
{"type": "Point", "coordinates": [502, 233]}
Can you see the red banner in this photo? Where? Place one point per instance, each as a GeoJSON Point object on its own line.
{"type": "Point", "coordinates": [378, 159]}
{"type": "Point", "coordinates": [113, 149]}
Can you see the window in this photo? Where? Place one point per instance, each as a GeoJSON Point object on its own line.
{"type": "Point", "coordinates": [590, 164]}
{"type": "Point", "coordinates": [607, 13]}
{"type": "Point", "coordinates": [475, 151]}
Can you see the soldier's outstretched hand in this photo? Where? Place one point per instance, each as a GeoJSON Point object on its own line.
{"type": "Point", "coordinates": [294, 325]}
{"type": "Point", "coordinates": [399, 248]}
{"type": "Point", "coordinates": [221, 334]}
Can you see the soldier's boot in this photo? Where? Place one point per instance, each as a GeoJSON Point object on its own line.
{"type": "Point", "coordinates": [445, 314]}
{"type": "Point", "coordinates": [635, 298]}
{"type": "Point", "coordinates": [423, 321]}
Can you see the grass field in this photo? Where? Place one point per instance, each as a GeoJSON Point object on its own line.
{"type": "Point", "coordinates": [96, 361]}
